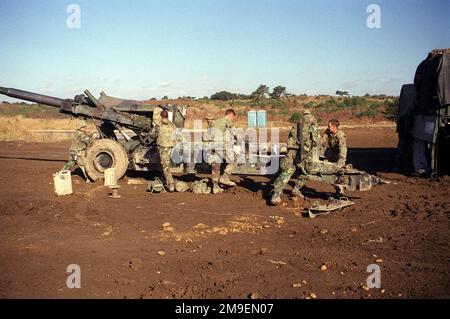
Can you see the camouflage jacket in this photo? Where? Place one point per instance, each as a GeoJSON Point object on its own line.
{"type": "Point", "coordinates": [166, 133]}
{"type": "Point", "coordinates": [222, 125]}
{"type": "Point", "coordinates": [80, 140]}
{"type": "Point", "coordinates": [156, 119]}
{"type": "Point", "coordinates": [292, 143]}
{"type": "Point", "coordinates": [310, 135]}
{"type": "Point", "coordinates": [310, 140]}
{"type": "Point", "coordinates": [336, 145]}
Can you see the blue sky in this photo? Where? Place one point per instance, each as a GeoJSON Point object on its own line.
{"type": "Point", "coordinates": [143, 49]}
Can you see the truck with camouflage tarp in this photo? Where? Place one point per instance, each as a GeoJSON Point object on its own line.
{"type": "Point", "coordinates": [423, 121]}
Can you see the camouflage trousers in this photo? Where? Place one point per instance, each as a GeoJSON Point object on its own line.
{"type": "Point", "coordinates": [72, 160]}
{"type": "Point", "coordinates": [288, 169]}
{"type": "Point", "coordinates": [215, 161]}
{"type": "Point", "coordinates": [165, 155]}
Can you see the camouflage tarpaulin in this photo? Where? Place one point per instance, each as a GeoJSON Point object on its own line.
{"type": "Point", "coordinates": [432, 79]}
{"type": "Point", "coordinates": [443, 79]}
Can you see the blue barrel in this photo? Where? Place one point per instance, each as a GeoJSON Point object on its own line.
{"type": "Point", "coordinates": [261, 118]}
{"type": "Point", "coordinates": [251, 118]}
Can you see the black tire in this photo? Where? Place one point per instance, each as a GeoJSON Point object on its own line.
{"type": "Point", "coordinates": [103, 154]}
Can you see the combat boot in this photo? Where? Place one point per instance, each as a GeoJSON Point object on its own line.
{"type": "Point", "coordinates": [225, 180]}
{"type": "Point", "coordinates": [276, 199]}
{"type": "Point", "coordinates": [216, 189]}
{"type": "Point", "coordinates": [171, 187]}
{"type": "Point", "coordinates": [88, 181]}
{"type": "Point", "coordinates": [339, 191]}
{"type": "Point", "coordinates": [297, 192]}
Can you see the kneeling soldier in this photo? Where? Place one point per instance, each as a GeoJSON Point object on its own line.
{"type": "Point", "coordinates": [81, 138]}
{"type": "Point", "coordinates": [335, 142]}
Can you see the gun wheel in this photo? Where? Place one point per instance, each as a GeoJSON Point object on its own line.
{"type": "Point", "coordinates": [103, 154]}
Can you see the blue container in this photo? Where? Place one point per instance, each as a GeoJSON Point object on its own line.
{"type": "Point", "coordinates": [261, 118]}
{"type": "Point", "coordinates": [251, 118]}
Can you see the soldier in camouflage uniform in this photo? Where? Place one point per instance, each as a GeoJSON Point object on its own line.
{"type": "Point", "coordinates": [300, 153]}
{"type": "Point", "coordinates": [156, 118]}
{"type": "Point", "coordinates": [165, 134]}
{"type": "Point", "coordinates": [221, 135]}
{"type": "Point", "coordinates": [81, 138]}
{"type": "Point", "coordinates": [335, 142]}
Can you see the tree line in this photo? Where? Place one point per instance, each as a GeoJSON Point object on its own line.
{"type": "Point", "coordinates": [263, 91]}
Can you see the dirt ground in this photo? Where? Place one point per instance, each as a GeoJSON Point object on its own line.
{"type": "Point", "coordinates": [230, 245]}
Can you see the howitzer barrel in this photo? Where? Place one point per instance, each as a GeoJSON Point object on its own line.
{"type": "Point", "coordinates": [32, 97]}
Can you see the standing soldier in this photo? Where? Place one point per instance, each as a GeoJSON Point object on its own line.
{"type": "Point", "coordinates": [335, 142]}
{"type": "Point", "coordinates": [81, 138]}
{"type": "Point", "coordinates": [165, 140]}
{"type": "Point", "coordinates": [301, 150]}
{"type": "Point", "coordinates": [221, 138]}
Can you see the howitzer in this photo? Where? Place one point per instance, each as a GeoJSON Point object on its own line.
{"type": "Point", "coordinates": [106, 109]}
{"type": "Point", "coordinates": [136, 152]}
{"type": "Point", "coordinates": [139, 153]}
{"type": "Point", "coordinates": [110, 115]}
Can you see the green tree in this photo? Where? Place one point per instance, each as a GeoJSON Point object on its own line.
{"type": "Point", "coordinates": [261, 92]}
{"type": "Point", "coordinates": [391, 109]}
{"type": "Point", "coordinates": [278, 92]}
{"type": "Point", "coordinates": [295, 117]}
{"type": "Point", "coordinates": [223, 96]}
{"type": "Point", "coordinates": [342, 93]}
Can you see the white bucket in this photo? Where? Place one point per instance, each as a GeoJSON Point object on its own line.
{"type": "Point", "coordinates": [63, 183]}
{"type": "Point", "coordinates": [110, 177]}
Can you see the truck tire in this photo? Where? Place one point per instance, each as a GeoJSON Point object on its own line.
{"type": "Point", "coordinates": [103, 154]}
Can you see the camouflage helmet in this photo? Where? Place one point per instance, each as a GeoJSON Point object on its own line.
{"type": "Point", "coordinates": [181, 187]}
{"type": "Point", "coordinates": [201, 187]}
{"type": "Point", "coordinates": [306, 112]}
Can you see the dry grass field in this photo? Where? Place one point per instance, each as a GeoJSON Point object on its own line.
{"type": "Point", "coordinates": [20, 128]}
{"type": "Point", "coordinates": [19, 120]}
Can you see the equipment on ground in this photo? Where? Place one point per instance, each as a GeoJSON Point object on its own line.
{"type": "Point", "coordinates": [332, 205]}
{"type": "Point", "coordinates": [62, 181]}
{"type": "Point", "coordinates": [181, 187]}
{"type": "Point", "coordinates": [201, 187]}
{"type": "Point", "coordinates": [156, 186]}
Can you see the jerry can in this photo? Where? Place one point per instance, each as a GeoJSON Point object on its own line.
{"type": "Point", "coordinates": [62, 181]}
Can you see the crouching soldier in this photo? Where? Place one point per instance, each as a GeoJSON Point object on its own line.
{"type": "Point", "coordinates": [165, 134]}
{"type": "Point", "coordinates": [301, 150]}
{"type": "Point", "coordinates": [81, 138]}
